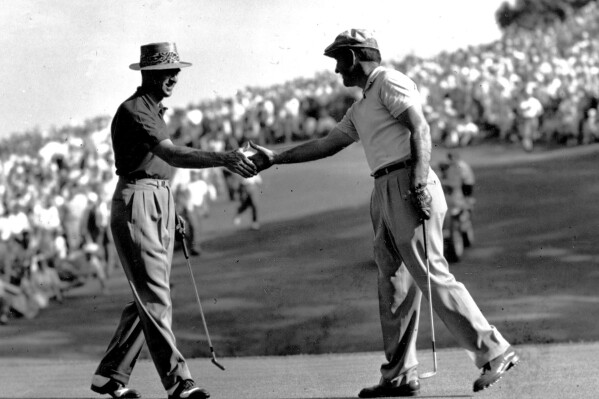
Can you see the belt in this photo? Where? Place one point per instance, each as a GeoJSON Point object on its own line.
{"type": "Point", "coordinates": [139, 177]}
{"type": "Point", "coordinates": [391, 168]}
{"type": "Point", "coordinates": [141, 174]}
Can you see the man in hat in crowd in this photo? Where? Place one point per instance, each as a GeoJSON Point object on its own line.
{"type": "Point", "coordinates": [407, 201]}
{"type": "Point", "coordinates": [143, 223]}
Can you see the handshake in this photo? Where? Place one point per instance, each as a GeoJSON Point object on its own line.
{"type": "Point", "coordinates": [247, 161]}
{"type": "Point", "coordinates": [261, 157]}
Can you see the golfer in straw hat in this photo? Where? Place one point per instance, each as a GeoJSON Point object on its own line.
{"type": "Point", "coordinates": [143, 223]}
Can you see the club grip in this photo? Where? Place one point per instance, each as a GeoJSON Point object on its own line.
{"type": "Point", "coordinates": [184, 246]}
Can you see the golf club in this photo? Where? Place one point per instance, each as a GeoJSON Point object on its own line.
{"type": "Point", "coordinates": [429, 374]}
{"type": "Point", "coordinates": [214, 361]}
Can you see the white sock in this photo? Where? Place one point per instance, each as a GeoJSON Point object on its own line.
{"type": "Point", "coordinates": [172, 390]}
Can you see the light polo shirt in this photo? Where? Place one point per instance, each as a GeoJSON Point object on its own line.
{"type": "Point", "coordinates": [372, 119]}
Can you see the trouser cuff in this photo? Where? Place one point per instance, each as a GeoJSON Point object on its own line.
{"type": "Point", "coordinates": [113, 375]}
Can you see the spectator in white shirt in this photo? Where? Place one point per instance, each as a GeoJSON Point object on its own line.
{"type": "Point", "coordinates": [530, 111]}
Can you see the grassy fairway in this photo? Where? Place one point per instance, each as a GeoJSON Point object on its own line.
{"type": "Point", "coordinates": [306, 282]}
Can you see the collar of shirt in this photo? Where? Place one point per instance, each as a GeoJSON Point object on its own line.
{"type": "Point", "coordinates": [158, 107]}
{"type": "Point", "coordinates": [371, 78]}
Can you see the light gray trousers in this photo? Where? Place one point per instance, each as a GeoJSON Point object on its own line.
{"type": "Point", "coordinates": [143, 226]}
{"type": "Point", "coordinates": [399, 255]}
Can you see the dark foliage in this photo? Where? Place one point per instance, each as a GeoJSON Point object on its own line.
{"type": "Point", "coordinates": [531, 14]}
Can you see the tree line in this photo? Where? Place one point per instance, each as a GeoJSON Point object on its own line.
{"type": "Point", "coordinates": [532, 14]}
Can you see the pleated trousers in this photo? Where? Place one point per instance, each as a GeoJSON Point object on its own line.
{"type": "Point", "coordinates": [402, 278]}
{"type": "Point", "coordinates": [143, 226]}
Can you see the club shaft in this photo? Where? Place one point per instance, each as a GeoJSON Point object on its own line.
{"type": "Point", "coordinates": [195, 289]}
{"type": "Point", "coordinates": [430, 295]}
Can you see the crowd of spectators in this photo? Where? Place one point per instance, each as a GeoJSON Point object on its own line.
{"type": "Point", "coordinates": [492, 85]}
{"type": "Point", "coordinates": [529, 87]}
{"type": "Point", "coordinates": [296, 110]}
{"type": "Point", "coordinates": [54, 231]}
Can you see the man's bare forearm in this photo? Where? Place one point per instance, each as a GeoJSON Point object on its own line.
{"type": "Point", "coordinates": [185, 157]}
{"type": "Point", "coordinates": [309, 151]}
{"type": "Point", "coordinates": [420, 143]}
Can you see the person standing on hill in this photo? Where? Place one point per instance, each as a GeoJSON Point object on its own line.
{"type": "Point", "coordinates": [143, 223]}
{"type": "Point", "coordinates": [531, 110]}
{"type": "Point", "coordinates": [389, 121]}
{"type": "Point", "coordinates": [464, 171]}
{"type": "Point", "coordinates": [249, 194]}
{"type": "Point", "coordinates": [197, 209]}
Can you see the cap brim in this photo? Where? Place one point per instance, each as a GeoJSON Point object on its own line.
{"type": "Point", "coordinates": [174, 65]}
{"type": "Point", "coordinates": [330, 52]}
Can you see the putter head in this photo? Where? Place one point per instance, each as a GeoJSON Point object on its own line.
{"type": "Point", "coordinates": [217, 364]}
{"type": "Point", "coordinates": [426, 375]}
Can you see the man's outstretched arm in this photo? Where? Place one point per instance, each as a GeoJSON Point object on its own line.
{"type": "Point", "coordinates": [185, 157]}
{"type": "Point", "coordinates": [312, 150]}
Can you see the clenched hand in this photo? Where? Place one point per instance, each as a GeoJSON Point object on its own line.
{"type": "Point", "coordinates": [422, 199]}
{"type": "Point", "coordinates": [237, 162]}
{"type": "Point", "coordinates": [180, 225]}
{"type": "Point", "coordinates": [263, 158]}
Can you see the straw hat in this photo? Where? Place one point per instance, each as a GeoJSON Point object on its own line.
{"type": "Point", "coordinates": [155, 56]}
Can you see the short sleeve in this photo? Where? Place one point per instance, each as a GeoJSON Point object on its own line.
{"type": "Point", "coordinates": [346, 125]}
{"type": "Point", "coordinates": [153, 126]}
{"type": "Point", "coordinates": [398, 93]}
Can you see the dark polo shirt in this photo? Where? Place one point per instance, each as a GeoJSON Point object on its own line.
{"type": "Point", "coordinates": [137, 127]}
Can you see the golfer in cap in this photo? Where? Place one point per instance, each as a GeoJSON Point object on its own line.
{"type": "Point", "coordinates": [389, 122]}
{"type": "Point", "coordinates": [143, 223]}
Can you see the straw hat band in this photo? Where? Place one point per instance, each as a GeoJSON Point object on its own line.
{"type": "Point", "coordinates": [167, 57]}
{"type": "Point", "coordinates": [156, 56]}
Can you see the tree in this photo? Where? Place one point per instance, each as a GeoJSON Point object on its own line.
{"type": "Point", "coordinates": [530, 14]}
